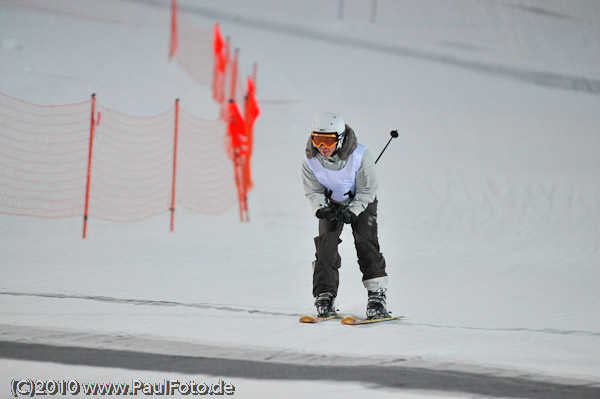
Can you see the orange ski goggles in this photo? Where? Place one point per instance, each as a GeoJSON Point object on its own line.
{"type": "Point", "coordinates": [326, 139]}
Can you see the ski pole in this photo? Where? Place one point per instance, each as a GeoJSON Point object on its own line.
{"type": "Point", "coordinates": [394, 134]}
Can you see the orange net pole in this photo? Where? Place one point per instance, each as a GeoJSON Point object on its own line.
{"type": "Point", "coordinates": [174, 163]}
{"type": "Point", "coordinates": [174, 33]}
{"type": "Point", "coordinates": [89, 167]}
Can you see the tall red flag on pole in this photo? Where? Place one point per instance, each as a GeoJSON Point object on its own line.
{"type": "Point", "coordinates": [219, 48]}
{"type": "Point", "coordinates": [237, 129]}
{"type": "Point", "coordinates": [239, 142]}
{"type": "Point", "coordinates": [252, 109]}
{"type": "Point", "coordinates": [220, 62]}
{"type": "Point", "coordinates": [251, 112]}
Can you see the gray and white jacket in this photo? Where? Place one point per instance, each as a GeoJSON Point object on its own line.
{"type": "Point", "coordinates": [366, 176]}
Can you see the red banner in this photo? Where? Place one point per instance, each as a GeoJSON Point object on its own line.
{"type": "Point", "coordinates": [219, 51]}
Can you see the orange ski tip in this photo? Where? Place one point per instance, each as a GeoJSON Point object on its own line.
{"type": "Point", "coordinates": [307, 319]}
{"type": "Point", "coordinates": [355, 322]}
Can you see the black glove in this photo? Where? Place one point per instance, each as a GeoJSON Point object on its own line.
{"type": "Point", "coordinates": [345, 215]}
{"type": "Point", "coordinates": [326, 213]}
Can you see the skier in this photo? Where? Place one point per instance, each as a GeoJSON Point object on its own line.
{"type": "Point", "coordinates": [340, 182]}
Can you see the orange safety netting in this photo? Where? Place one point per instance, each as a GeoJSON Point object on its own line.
{"type": "Point", "coordinates": [43, 158]}
{"type": "Point", "coordinates": [134, 165]}
{"type": "Point", "coordinates": [194, 50]}
{"type": "Point", "coordinates": [205, 179]}
{"type": "Point", "coordinates": [131, 166]}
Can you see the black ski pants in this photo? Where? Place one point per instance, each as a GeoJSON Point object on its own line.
{"type": "Point", "coordinates": [328, 260]}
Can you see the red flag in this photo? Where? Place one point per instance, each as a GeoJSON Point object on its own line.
{"type": "Point", "coordinates": [220, 62]}
{"type": "Point", "coordinates": [239, 142]}
{"type": "Point", "coordinates": [251, 86]}
{"type": "Point", "coordinates": [219, 49]}
{"type": "Point", "coordinates": [251, 112]}
{"type": "Point", "coordinates": [237, 130]}
{"type": "Point", "coordinates": [252, 109]}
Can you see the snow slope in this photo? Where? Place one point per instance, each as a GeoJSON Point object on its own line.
{"type": "Point", "coordinates": [489, 199]}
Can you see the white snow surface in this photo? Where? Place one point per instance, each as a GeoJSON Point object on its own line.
{"type": "Point", "coordinates": [489, 200]}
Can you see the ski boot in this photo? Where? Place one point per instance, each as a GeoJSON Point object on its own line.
{"type": "Point", "coordinates": [376, 305]}
{"type": "Point", "coordinates": [325, 304]}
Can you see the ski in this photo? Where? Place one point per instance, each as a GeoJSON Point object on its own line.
{"type": "Point", "coordinates": [351, 321]}
{"type": "Point", "coordinates": [311, 319]}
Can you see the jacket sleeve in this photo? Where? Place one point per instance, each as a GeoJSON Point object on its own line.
{"type": "Point", "coordinates": [314, 191]}
{"type": "Point", "coordinates": [366, 184]}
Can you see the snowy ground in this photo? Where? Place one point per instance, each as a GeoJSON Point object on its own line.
{"type": "Point", "coordinates": [489, 199]}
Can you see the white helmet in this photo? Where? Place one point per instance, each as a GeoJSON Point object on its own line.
{"type": "Point", "coordinates": [329, 122]}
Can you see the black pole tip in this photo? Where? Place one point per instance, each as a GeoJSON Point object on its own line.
{"type": "Point", "coordinates": [394, 134]}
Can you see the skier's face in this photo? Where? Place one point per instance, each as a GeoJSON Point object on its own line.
{"type": "Point", "coordinates": [326, 152]}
